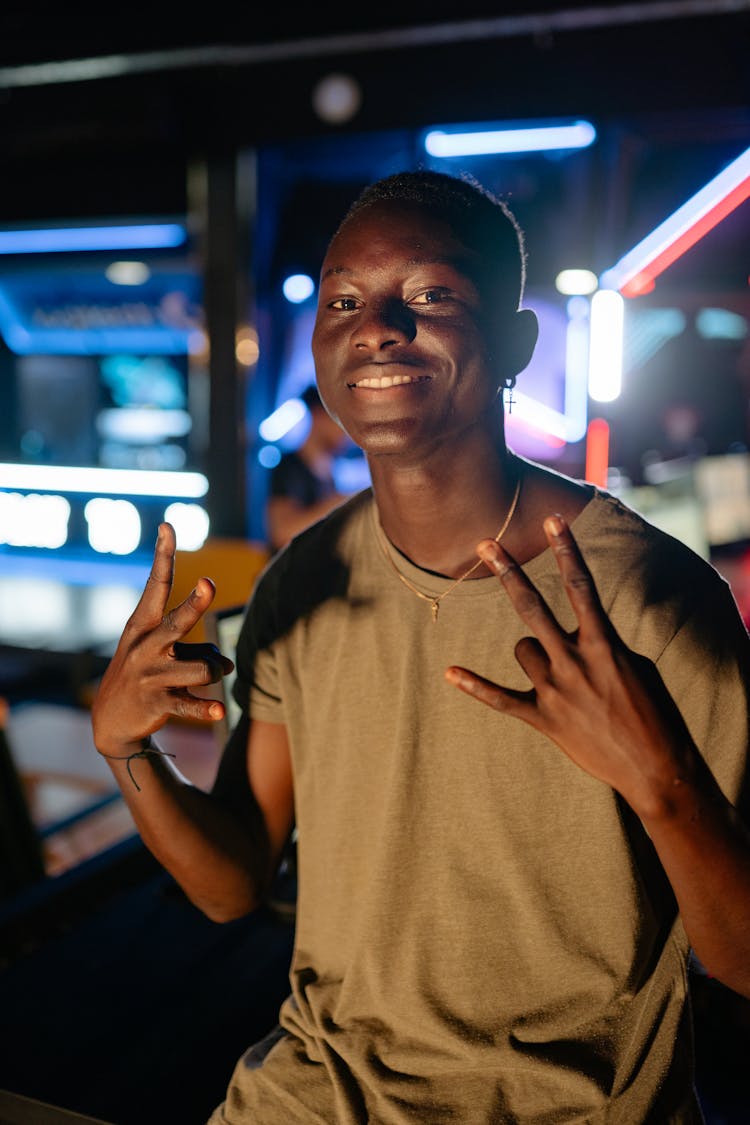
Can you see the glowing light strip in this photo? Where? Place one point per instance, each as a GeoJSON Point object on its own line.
{"type": "Point", "coordinates": [538, 415]}
{"type": "Point", "coordinates": [606, 345]}
{"type": "Point", "coordinates": [149, 236]}
{"type": "Point", "coordinates": [514, 424]}
{"type": "Point", "coordinates": [576, 377]}
{"type": "Point", "coordinates": [283, 419]}
{"type": "Point", "coordinates": [111, 482]}
{"type": "Point", "coordinates": [597, 452]}
{"type": "Point", "coordinates": [579, 134]}
{"type": "Point", "coordinates": [636, 271]}
{"type": "Point", "coordinates": [27, 564]}
{"type": "Point", "coordinates": [94, 341]}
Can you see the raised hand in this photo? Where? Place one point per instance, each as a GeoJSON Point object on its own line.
{"type": "Point", "coordinates": [152, 672]}
{"type": "Point", "coordinates": [604, 705]}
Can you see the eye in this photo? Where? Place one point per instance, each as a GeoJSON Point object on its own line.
{"type": "Point", "coordinates": [344, 304]}
{"type": "Point", "coordinates": [434, 296]}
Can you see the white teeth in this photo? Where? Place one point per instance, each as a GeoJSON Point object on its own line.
{"type": "Point", "coordinates": [387, 381]}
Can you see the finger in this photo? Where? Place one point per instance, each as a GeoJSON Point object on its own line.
{"type": "Point", "coordinates": [508, 701]}
{"type": "Point", "coordinates": [185, 616]}
{"type": "Point", "coordinates": [207, 657]}
{"type": "Point", "coordinates": [153, 601]}
{"type": "Point", "coordinates": [577, 578]}
{"type": "Point", "coordinates": [525, 598]}
{"type": "Point", "coordinates": [533, 660]}
{"type": "Point", "coordinates": [201, 650]}
{"type": "Point", "coordinates": [187, 706]}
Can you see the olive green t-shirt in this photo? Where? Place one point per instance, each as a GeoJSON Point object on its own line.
{"type": "Point", "coordinates": [484, 933]}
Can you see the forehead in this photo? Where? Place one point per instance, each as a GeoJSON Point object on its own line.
{"type": "Point", "coordinates": [399, 230]}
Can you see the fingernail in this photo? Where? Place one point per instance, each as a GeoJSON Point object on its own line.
{"type": "Point", "coordinates": [488, 553]}
{"type": "Point", "coordinates": [555, 525]}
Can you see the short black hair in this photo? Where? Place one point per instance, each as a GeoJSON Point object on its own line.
{"type": "Point", "coordinates": [482, 220]}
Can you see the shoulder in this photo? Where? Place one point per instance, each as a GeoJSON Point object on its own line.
{"type": "Point", "coordinates": [314, 565]}
{"type": "Point", "coordinates": [654, 586]}
{"type": "Point", "coordinates": [330, 533]}
{"type": "Point", "coordinates": [611, 534]}
{"type": "Point", "coordinates": [609, 529]}
{"type": "Point", "coordinates": [650, 582]}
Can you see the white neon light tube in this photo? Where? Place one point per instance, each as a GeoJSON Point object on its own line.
{"type": "Point", "coordinates": [112, 482]}
{"type": "Point", "coordinates": [576, 372]}
{"type": "Point", "coordinates": [542, 138]}
{"type": "Point", "coordinates": [605, 345]}
{"type": "Point", "coordinates": [538, 415]}
{"type": "Point", "coordinates": [636, 270]}
{"type": "Point", "coordinates": [283, 419]}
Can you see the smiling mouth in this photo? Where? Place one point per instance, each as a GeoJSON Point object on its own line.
{"type": "Point", "coordinates": [381, 382]}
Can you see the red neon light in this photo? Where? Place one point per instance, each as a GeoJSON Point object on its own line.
{"type": "Point", "coordinates": [639, 285]}
{"type": "Point", "coordinates": [643, 281]}
{"type": "Point", "coordinates": [597, 452]}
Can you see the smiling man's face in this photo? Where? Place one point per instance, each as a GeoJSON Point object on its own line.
{"type": "Point", "coordinates": [401, 357]}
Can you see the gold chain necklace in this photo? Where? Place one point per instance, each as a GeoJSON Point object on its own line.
{"type": "Point", "coordinates": [435, 602]}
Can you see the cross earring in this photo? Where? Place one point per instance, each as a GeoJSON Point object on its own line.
{"type": "Point", "coordinates": [511, 400]}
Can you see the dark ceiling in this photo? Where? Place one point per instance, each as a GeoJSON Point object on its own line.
{"type": "Point", "coordinates": [33, 33]}
{"type": "Point", "coordinates": [79, 139]}
{"type": "Point", "coordinates": [667, 84]}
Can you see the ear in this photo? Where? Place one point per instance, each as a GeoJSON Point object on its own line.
{"type": "Point", "coordinates": [519, 344]}
{"type": "Point", "coordinates": [512, 338]}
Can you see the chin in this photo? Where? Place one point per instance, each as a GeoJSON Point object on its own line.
{"type": "Point", "coordinates": [385, 437]}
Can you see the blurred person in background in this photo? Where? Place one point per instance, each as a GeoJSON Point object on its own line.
{"type": "Point", "coordinates": [302, 486]}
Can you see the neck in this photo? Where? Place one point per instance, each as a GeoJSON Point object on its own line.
{"type": "Point", "coordinates": [436, 513]}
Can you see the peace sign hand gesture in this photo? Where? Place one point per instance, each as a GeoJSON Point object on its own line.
{"type": "Point", "coordinates": [150, 676]}
{"type": "Point", "coordinates": [604, 705]}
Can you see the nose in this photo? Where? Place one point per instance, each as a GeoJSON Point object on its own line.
{"type": "Point", "coordinates": [384, 324]}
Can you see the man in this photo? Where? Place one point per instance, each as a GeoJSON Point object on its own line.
{"type": "Point", "coordinates": [498, 885]}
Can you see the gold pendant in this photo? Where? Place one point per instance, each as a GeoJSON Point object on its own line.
{"type": "Point", "coordinates": [434, 607]}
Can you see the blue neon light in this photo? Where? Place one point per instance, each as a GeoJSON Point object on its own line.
{"type": "Point", "coordinates": [56, 313]}
{"type": "Point", "coordinates": [144, 236]}
{"type": "Point", "coordinates": [65, 341]}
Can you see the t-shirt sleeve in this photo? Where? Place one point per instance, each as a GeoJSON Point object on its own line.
{"type": "Point", "coordinates": [673, 607]}
{"type": "Point", "coordinates": [256, 686]}
{"type": "Point", "coordinates": [706, 667]}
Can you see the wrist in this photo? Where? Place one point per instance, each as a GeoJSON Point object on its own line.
{"type": "Point", "coordinates": [145, 748]}
{"type": "Point", "coordinates": [682, 797]}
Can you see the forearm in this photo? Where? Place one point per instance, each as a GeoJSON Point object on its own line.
{"type": "Point", "coordinates": [221, 862]}
{"type": "Point", "coordinates": [704, 848]}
